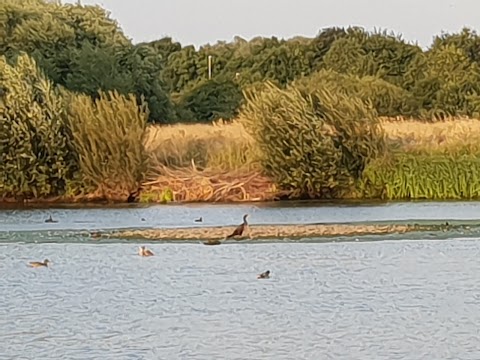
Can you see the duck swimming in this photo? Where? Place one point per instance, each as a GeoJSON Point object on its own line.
{"type": "Point", "coordinates": [50, 220]}
{"type": "Point", "coordinates": [264, 275]}
{"type": "Point", "coordinates": [200, 219]}
{"type": "Point", "coordinates": [142, 251]}
{"type": "Point", "coordinates": [37, 264]}
{"type": "Point", "coordinates": [240, 228]}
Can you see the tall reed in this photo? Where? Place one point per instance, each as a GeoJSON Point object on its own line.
{"type": "Point", "coordinates": [108, 137]}
{"type": "Point", "coordinates": [416, 176]}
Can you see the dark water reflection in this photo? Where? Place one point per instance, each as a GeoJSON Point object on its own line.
{"type": "Point", "coordinates": [372, 300]}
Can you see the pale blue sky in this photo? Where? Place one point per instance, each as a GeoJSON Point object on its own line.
{"type": "Point", "coordinates": [205, 21]}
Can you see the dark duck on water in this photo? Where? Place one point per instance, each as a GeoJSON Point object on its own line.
{"type": "Point", "coordinates": [264, 275]}
{"type": "Point", "coordinates": [50, 220]}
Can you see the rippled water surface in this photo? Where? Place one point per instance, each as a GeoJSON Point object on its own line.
{"type": "Point", "coordinates": [216, 215]}
{"type": "Point", "coordinates": [402, 299]}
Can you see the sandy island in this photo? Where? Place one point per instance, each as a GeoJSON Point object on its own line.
{"type": "Point", "coordinates": [215, 234]}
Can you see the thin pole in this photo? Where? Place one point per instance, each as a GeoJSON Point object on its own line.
{"type": "Point", "coordinates": [209, 67]}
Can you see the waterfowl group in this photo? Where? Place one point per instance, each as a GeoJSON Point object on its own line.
{"type": "Point", "coordinates": [144, 252]}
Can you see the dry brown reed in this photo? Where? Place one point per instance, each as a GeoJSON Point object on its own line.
{"type": "Point", "coordinates": [211, 185]}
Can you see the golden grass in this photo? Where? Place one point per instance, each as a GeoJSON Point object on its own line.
{"type": "Point", "coordinates": [228, 146]}
{"type": "Point", "coordinates": [451, 136]}
{"type": "Point", "coordinates": [219, 145]}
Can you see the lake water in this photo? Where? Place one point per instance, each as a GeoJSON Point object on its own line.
{"type": "Point", "coordinates": [392, 299]}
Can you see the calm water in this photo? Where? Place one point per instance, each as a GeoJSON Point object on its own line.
{"type": "Point", "coordinates": [410, 299]}
{"type": "Point", "coordinates": [215, 215]}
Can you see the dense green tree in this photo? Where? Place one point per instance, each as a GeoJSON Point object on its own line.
{"type": "Point", "coordinates": [324, 41]}
{"type": "Point", "coordinates": [182, 69]}
{"type": "Point", "coordinates": [211, 100]}
{"type": "Point", "coordinates": [81, 48]}
{"type": "Point", "coordinates": [144, 66]}
{"type": "Point", "coordinates": [467, 40]}
{"type": "Point", "coordinates": [84, 50]}
{"type": "Point", "coordinates": [447, 83]}
{"type": "Point", "coordinates": [49, 31]}
{"type": "Point", "coordinates": [379, 54]}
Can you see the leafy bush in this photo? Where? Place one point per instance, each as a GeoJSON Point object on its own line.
{"type": "Point", "coordinates": [35, 156]}
{"type": "Point", "coordinates": [108, 135]}
{"type": "Point", "coordinates": [314, 145]}
{"type": "Point", "coordinates": [466, 40]}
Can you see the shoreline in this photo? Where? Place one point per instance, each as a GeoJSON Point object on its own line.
{"type": "Point", "coordinates": [61, 203]}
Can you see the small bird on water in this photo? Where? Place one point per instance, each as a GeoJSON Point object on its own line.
{"type": "Point", "coordinates": [264, 275]}
{"type": "Point", "coordinates": [143, 251]}
{"type": "Point", "coordinates": [50, 220]}
{"type": "Point", "coordinates": [37, 264]}
{"type": "Point", "coordinates": [240, 228]}
{"type": "Point", "coordinates": [200, 219]}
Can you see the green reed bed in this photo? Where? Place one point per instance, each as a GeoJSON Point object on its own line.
{"type": "Point", "coordinates": [421, 176]}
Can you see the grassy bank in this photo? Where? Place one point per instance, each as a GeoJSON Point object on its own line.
{"type": "Point", "coordinates": [422, 161]}
{"type": "Point", "coordinates": [220, 162]}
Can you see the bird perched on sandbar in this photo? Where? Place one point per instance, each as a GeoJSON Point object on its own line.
{"type": "Point", "coordinates": [240, 228]}
{"type": "Point", "coordinates": [37, 264]}
{"type": "Point", "coordinates": [264, 275]}
{"type": "Point", "coordinates": [143, 251]}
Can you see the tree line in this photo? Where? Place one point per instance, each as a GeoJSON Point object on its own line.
{"type": "Point", "coordinates": [84, 50]}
